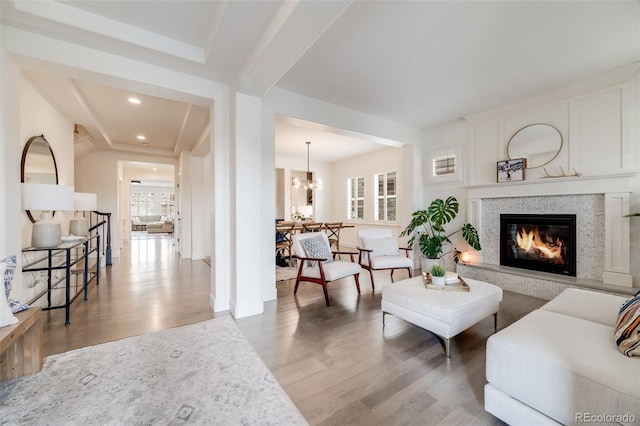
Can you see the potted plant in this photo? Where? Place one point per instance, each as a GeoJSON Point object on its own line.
{"type": "Point", "coordinates": [428, 227]}
{"type": "Point", "coordinates": [437, 275]}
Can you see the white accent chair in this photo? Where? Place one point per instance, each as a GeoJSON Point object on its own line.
{"type": "Point", "coordinates": [316, 270]}
{"type": "Point", "coordinates": [379, 251]}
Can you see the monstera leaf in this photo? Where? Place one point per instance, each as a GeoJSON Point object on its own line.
{"type": "Point", "coordinates": [428, 226]}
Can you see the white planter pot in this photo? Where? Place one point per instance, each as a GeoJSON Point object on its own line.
{"type": "Point", "coordinates": [437, 280]}
{"type": "Point", "coordinates": [428, 263]}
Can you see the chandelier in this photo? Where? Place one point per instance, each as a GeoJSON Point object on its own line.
{"type": "Point", "coordinates": [309, 182]}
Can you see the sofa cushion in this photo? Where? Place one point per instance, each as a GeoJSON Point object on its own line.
{"type": "Point", "coordinates": [561, 365]}
{"type": "Point", "coordinates": [588, 305]}
{"type": "Point", "coordinates": [627, 331]}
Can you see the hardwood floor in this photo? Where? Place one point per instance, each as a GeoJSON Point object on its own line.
{"type": "Point", "coordinates": [148, 288]}
{"type": "Point", "coordinates": [340, 366]}
{"type": "Point", "coordinates": [336, 363]}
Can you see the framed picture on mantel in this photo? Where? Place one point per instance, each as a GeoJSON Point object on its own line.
{"type": "Point", "coordinates": [511, 170]}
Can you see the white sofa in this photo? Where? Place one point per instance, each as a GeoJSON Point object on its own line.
{"type": "Point", "coordinates": [560, 365]}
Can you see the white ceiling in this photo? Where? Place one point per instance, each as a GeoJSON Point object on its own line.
{"type": "Point", "coordinates": [415, 62]}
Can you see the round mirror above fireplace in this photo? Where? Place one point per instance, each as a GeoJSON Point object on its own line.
{"type": "Point", "coordinates": [539, 143]}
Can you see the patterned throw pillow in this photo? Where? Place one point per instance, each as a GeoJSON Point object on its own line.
{"type": "Point", "coordinates": [318, 248]}
{"type": "Point", "coordinates": [9, 265]}
{"type": "Point", "coordinates": [6, 317]}
{"type": "Point", "coordinates": [627, 331]}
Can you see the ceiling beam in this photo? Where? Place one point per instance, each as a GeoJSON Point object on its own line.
{"type": "Point", "coordinates": [77, 18]}
{"type": "Point", "coordinates": [215, 28]}
{"type": "Point", "coordinates": [177, 147]}
{"type": "Point", "coordinates": [75, 91]}
{"type": "Point", "coordinates": [292, 31]}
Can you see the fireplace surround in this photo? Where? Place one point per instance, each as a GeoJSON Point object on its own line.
{"type": "Point", "coordinates": [540, 242]}
{"type": "Point", "coordinates": [602, 246]}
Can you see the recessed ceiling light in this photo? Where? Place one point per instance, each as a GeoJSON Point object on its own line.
{"type": "Point", "coordinates": [134, 100]}
{"type": "Point", "coordinates": [141, 137]}
{"type": "Point", "coordinates": [145, 143]}
{"type": "Point", "coordinates": [155, 169]}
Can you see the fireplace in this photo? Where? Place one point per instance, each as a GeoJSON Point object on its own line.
{"type": "Point", "coordinates": [540, 242]}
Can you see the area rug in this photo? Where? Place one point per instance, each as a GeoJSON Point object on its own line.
{"type": "Point", "coordinates": [205, 373]}
{"type": "Point", "coordinates": [286, 273]}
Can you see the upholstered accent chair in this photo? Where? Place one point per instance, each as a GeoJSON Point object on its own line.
{"type": "Point", "coordinates": [379, 251]}
{"type": "Point", "coordinates": [317, 263]}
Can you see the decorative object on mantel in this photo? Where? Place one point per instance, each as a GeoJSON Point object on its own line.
{"type": "Point", "coordinates": [511, 170]}
{"type": "Point", "coordinates": [428, 227]}
{"type": "Point", "coordinates": [538, 143]}
{"type": "Point", "coordinates": [547, 175]}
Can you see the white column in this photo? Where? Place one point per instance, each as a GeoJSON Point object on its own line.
{"type": "Point", "coordinates": [185, 181]}
{"type": "Point", "coordinates": [246, 206]}
{"type": "Point", "coordinates": [198, 210]}
{"type": "Point", "coordinates": [220, 208]}
{"type": "Point", "coordinates": [617, 240]}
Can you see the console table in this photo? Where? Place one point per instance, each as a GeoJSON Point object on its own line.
{"type": "Point", "coordinates": [75, 255]}
{"type": "Point", "coordinates": [21, 346]}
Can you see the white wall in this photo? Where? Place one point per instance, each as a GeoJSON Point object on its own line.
{"type": "Point", "coordinates": [599, 122]}
{"type": "Point", "coordinates": [98, 172]}
{"type": "Point", "coordinates": [38, 116]}
{"type": "Point", "coordinates": [321, 198]}
{"type": "Point", "coordinates": [384, 160]}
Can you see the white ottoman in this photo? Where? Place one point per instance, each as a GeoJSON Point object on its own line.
{"type": "Point", "coordinates": [444, 313]}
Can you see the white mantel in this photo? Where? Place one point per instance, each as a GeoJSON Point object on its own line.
{"type": "Point", "coordinates": [557, 186]}
{"type": "Point", "coordinates": [616, 189]}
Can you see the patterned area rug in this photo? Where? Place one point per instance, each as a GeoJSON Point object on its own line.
{"type": "Point", "coordinates": [205, 373]}
{"type": "Point", "coordinates": [286, 272]}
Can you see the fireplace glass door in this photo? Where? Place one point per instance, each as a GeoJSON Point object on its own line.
{"type": "Point", "coordinates": [544, 243]}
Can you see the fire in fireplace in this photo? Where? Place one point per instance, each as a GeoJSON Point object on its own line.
{"type": "Point", "coordinates": [540, 242]}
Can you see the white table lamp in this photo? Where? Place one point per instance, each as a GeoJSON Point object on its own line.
{"type": "Point", "coordinates": [48, 198]}
{"type": "Point", "coordinates": [82, 202]}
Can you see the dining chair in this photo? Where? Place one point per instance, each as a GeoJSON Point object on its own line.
{"type": "Point", "coordinates": [379, 251]}
{"type": "Point", "coordinates": [284, 240]}
{"type": "Point", "coordinates": [317, 263]}
{"type": "Point", "coordinates": [333, 233]}
{"type": "Point", "coordinates": [311, 226]}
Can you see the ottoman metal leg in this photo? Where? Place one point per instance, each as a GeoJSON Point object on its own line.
{"type": "Point", "coordinates": [495, 322]}
{"type": "Point", "coordinates": [447, 347]}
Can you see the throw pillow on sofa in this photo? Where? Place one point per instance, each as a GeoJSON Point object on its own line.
{"type": "Point", "coordinates": [6, 316]}
{"type": "Point", "coordinates": [9, 266]}
{"type": "Point", "coordinates": [627, 331]}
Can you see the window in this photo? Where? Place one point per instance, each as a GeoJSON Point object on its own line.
{"type": "Point", "coordinates": [355, 198]}
{"type": "Point", "coordinates": [443, 166]}
{"type": "Point", "coordinates": [385, 208]}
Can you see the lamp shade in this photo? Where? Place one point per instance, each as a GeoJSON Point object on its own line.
{"type": "Point", "coordinates": [41, 196]}
{"type": "Point", "coordinates": [85, 201]}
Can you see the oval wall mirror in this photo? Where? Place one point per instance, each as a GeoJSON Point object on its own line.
{"type": "Point", "coordinates": [38, 165]}
{"type": "Point", "coordinates": [539, 143]}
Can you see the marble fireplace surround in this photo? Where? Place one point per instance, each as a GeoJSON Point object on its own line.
{"type": "Point", "coordinates": [603, 233]}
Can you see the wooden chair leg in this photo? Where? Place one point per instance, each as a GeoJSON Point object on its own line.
{"type": "Point", "coordinates": [392, 274]}
{"type": "Point", "coordinates": [409, 271]}
{"type": "Point", "coordinates": [326, 293]}
{"type": "Point", "coordinates": [295, 289]}
{"type": "Point", "coordinates": [373, 287]}
{"type": "Point", "coordinates": [357, 277]}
